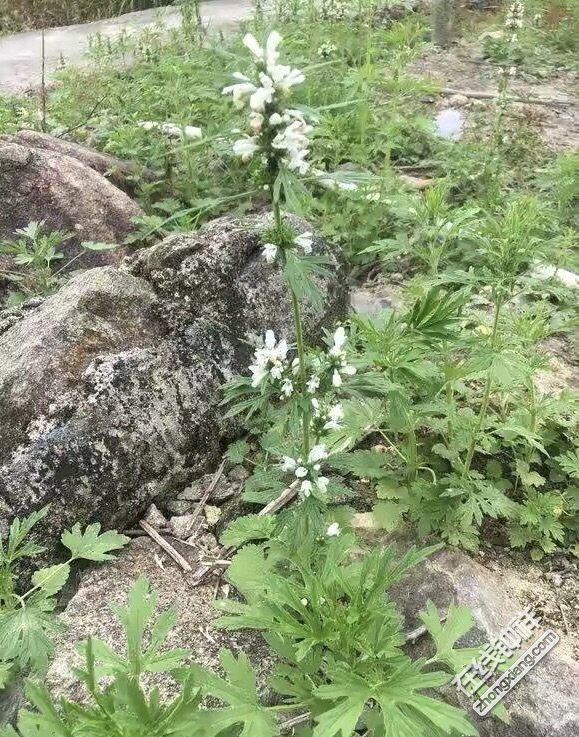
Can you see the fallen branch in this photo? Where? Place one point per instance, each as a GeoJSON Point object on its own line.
{"type": "Point", "coordinates": [225, 552]}
{"type": "Point", "coordinates": [169, 549]}
{"type": "Point", "coordinates": [480, 95]}
{"type": "Point", "coordinates": [207, 493]}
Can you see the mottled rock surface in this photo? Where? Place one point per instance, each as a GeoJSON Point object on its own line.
{"type": "Point", "coordinates": [110, 389]}
{"type": "Point", "coordinates": [88, 613]}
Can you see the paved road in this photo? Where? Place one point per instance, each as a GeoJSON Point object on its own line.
{"type": "Point", "coordinates": [20, 55]}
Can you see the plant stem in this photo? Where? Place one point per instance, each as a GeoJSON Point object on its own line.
{"type": "Point", "coordinates": [302, 359]}
{"type": "Point", "coordinates": [486, 396]}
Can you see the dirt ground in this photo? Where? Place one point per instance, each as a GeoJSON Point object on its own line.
{"type": "Point", "coordinates": [463, 68]}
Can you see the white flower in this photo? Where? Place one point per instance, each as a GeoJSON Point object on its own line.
{"type": "Point", "coordinates": [304, 241]}
{"type": "Point", "coordinates": [288, 464]}
{"type": "Point", "coordinates": [245, 147]}
{"type": "Point", "coordinates": [318, 453]}
{"type": "Point", "coordinates": [306, 488]}
{"type": "Point", "coordinates": [252, 44]}
{"type": "Point", "coordinates": [327, 49]}
{"type": "Point", "coordinates": [263, 95]}
{"type": "Point", "coordinates": [240, 92]}
{"type": "Point", "coordinates": [335, 417]}
{"type": "Point", "coordinates": [275, 119]}
{"type": "Point", "coordinates": [322, 484]}
{"type": "Point", "coordinates": [256, 122]}
{"type": "Point", "coordinates": [171, 130]}
{"type": "Point", "coordinates": [276, 371]}
{"type": "Point", "coordinates": [269, 252]}
{"type": "Point", "coordinates": [312, 384]}
{"type": "Point", "coordinates": [301, 472]}
{"type": "Point", "coordinates": [287, 387]}
{"type": "Point", "coordinates": [333, 530]}
{"type": "Point", "coordinates": [258, 374]}
{"type": "Point", "coordinates": [304, 602]}
{"type": "Point", "coordinates": [348, 370]}
{"type": "Point", "coordinates": [271, 52]}
{"type": "Point", "coordinates": [290, 79]}
{"type": "Point", "coordinates": [336, 379]}
{"type": "Point", "coordinates": [339, 341]}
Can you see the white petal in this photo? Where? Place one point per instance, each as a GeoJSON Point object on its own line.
{"type": "Point", "coordinates": [288, 464]}
{"type": "Point", "coordinates": [269, 339]}
{"type": "Point", "coordinates": [301, 472]}
{"type": "Point", "coordinates": [318, 453]}
{"type": "Point", "coordinates": [333, 530]}
{"type": "Point", "coordinates": [252, 44]}
{"type": "Point", "coordinates": [269, 252]}
{"type": "Point", "coordinates": [336, 379]}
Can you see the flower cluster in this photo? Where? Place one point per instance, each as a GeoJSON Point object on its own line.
{"type": "Point", "coordinates": [308, 471]}
{"type": "Point", "coordinates": [327, 49]}
{"type": "Point", "coordinates": [334, 9]}
{"type": "Point", "coordinates": [303, 242]}
{"type": "Point", "coordinates": [326, 417]}
{"type": "Point", "coordinates": [514, 18]}
{"type": "Point", "coordinates": [270, 362]}
{"type": "Point", "coordinates": [279, 132]}
{"type": "Point", "coordinates": [337, 355]}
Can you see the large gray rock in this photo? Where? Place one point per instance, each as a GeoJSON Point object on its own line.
{"type": "Point", "coordinates": [546, 702]}
{"type": "Point", "coordinates": [123, 174]}
{"type": "Point", "coordinates": [51, 186]}
{"type": "Point", "coordinates": [110, 389]}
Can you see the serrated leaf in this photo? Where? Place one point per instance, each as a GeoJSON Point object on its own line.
{"type": "Point", "coordinates": [361, 463]}
{"type": "Point", "coordinates": [25, 634]}
{"type": "Point", "coordinates": [51, 579]}
{"type": "Point", "coordinates": [458, 622]}
{"type": "Point", "coordinates": [248, 570]}
{"type": "Point", "coordinates": [91, 544]}
{"type": "Point", "coordinates": [389, 514]}
{"type": "Point", "coordinates": [250, 527]}
{"type": "Point", "coordinates": [236, 452]}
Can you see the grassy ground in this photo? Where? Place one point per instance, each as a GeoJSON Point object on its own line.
{"type": "Point", "coordinates": [23, 15]}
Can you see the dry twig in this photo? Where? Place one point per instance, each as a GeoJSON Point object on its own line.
{"type": "Point", "coordinates": [167, 547]}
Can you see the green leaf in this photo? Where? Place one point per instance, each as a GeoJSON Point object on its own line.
{"type": "Point", "coordinates": [238, 690]}
{"type": "Point", "coordinates": [91, 545]}
{"type": "Point", "coordinates": [250, 527]}
{"type": "Point", "coordinates": [248, 570]}
{"type": "Point", "coordinates": [51, 579]}
{"type": "Point", "coordinates": [569, 462]}
{"type": "Point", "coordinates": [361, 463]}
{"type": "Point", "coordinates": [24, 634]}
{"type": "Point", "coordinates": [389, 514]}
{"type": "Point", "coordinates": [458, 622]}
{"type": "Point", "coordinates": [236, 452]}
{"type": "Point", "coordinates": [97, 246]}
{"type": "Point", "coordinates": [5, 674]}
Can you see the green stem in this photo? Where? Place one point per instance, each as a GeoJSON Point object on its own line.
{"type": "Point", "coordinates": [412, 455]}
{"type": "Point", "coordinates": [486, 395]}
{"type": "Point", "coordinates": [302, 359]}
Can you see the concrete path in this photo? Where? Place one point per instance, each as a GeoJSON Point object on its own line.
{"type": "Point", "coordinates": [20, 55]}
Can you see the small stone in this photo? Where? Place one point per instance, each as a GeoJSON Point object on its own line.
{"type": "Point", "coordinates": [556, 579]}
{"type": "Point", "coordinates": [212, 515]}
{"type": "Point", "coordinates": [458, 100]}
{"type": "Point", "coordinates": [179, 507]}
{"type": "Point", "coordinates": [183, 526]}
{"type": "Point", "coordinates": [194, 492]}
{"type": "Point", "coordinates": [207, 541]}
{"type": "Point", "coordinates": [155, 518]}
{"type": "Point", "coordinates": [364, 521]}
{"type": "Point", "coordinates": [239, 474]}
